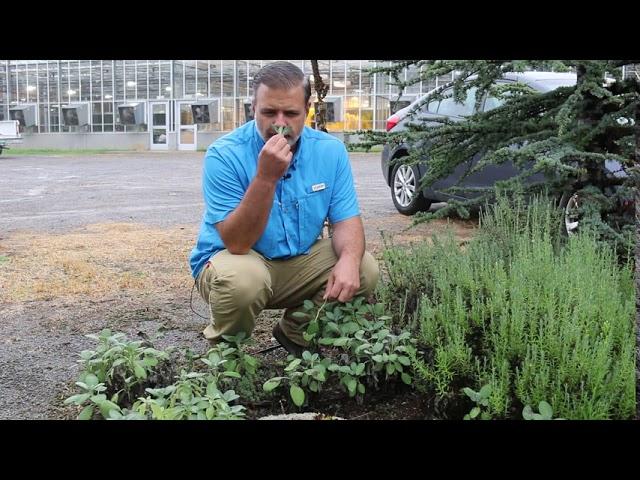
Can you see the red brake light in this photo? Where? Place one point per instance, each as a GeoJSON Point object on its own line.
{"type": "Point", "coordinates": [392, 121]}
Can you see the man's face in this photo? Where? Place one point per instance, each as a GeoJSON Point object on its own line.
{"type": "Point", "coordinates": [281, 108]}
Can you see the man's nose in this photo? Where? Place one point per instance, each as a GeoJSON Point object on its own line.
{"type": "Point", "coordinates": [280, 119]}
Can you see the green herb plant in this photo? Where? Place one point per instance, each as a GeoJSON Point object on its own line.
{"type": "Point", "coordinates": [281, 129]}
{"type": "Point", "coordinates": [194, 396]}
{"type": "Point", "coordinates": [481, 398]}
{"type": "Point", "coordinates": [308, 372]}
{"type": "Point", "coordinates": [363, 351]}
{"type": "Point", "coordinates": [117, 369]}
{"type": "Point", "coordinates": [93, 396]}
{"type": "Point", "coordinates": [545, 412]}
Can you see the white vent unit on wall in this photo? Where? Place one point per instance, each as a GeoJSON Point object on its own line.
{"type": "Point", "coordinates": [75, 114]}
{"type": "Point", "coordinates": [334, 108]}
{"type": "Point", "coordinates": [131, 113]}
{"type": "Point", "coordinates": [207, 111]}
{"type": "Point", "coordinates": [24, 114]}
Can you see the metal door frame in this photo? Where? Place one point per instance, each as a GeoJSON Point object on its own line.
{"type": "Point", "coordinates": [179, 127]}
{"type": "Point", "coordinates": [165, 127]}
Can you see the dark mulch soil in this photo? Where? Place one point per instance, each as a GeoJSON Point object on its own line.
{"type": "Point", "coordinates": [396, 401]}
{"type": "Point", "coordinates": [400, 405]}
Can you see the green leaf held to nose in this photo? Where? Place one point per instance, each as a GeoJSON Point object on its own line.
{"type": "Point", "coordinates": [281, 129]}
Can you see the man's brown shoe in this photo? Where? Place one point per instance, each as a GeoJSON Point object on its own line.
{"type": "Point", "coordinates": [289, 345]}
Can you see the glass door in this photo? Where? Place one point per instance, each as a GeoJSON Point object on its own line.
{"type": "Point", "coordinates": [159, 125]}
{"type": "Point", "coordinates": [186, 128]}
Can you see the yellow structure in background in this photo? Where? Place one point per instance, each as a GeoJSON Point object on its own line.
{"type": "Point", "coordinates": [350, 118]}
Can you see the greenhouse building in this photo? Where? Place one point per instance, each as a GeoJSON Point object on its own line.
{"type": "Point", "coordinates": [175, 104]}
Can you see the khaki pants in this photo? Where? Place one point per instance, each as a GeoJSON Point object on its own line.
{"type": "Point", "coordinates": [238, 287]}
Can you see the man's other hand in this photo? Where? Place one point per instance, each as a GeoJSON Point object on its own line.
{"type": "Point", "coordinates": [344, 280]}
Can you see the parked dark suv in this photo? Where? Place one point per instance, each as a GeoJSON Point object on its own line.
{"type": "Point", "coordinates": [404, 179]}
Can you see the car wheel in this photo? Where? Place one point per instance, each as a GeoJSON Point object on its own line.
{"type": "Point", "coordinates": [570, 203]}
{"type": "Point", "coordinates": [405, 190]}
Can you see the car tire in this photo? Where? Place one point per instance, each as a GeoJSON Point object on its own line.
{"type": "Point", "coordinates": [569, 203]}
{"type": "Point", "coordinates": [405, 190]}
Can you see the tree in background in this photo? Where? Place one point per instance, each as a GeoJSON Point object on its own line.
{"type": "Point", "coordinates": [321, 89]}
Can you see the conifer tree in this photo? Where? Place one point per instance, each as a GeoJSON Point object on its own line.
{"type": "Point", "coordinates": [567, 134]}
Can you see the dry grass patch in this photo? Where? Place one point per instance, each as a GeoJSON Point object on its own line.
{"type": "Point", "coordinates": [95, 261]}
{"type": "Point", "coordinates": [398, 227]}
{"type": "Point", "coordinates": [116, 258]}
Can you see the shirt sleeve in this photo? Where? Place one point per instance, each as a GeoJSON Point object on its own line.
{"type": "Point", "coordinates": [221, 186]}
{"type": "Point", "coordinates": [344, 202]}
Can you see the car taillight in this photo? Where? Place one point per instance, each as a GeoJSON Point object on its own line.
{"type": "Point", "coordinates": [392, 121]}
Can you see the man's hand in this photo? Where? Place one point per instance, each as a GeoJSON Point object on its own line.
{"type": "Point", "coordinates": [348, 243]}
{"type": "Point", "coordinates": [274, 159]}
{"type": "Point", "coordinates": [344, 280]}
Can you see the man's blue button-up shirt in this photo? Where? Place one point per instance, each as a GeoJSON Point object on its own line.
{"type": "Point", "coordinates": [317, 185]}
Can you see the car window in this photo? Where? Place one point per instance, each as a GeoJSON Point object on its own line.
{"type": "Point", "coordinates": [548, 84]}
{"type": "Point", "coordinates": [492, 102]}
{"type": "Point", "coordinates": [400, 104]}
{"type": "Point", "coordinates": [448, 106]}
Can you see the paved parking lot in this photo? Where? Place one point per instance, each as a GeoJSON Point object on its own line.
{"type": "Point", "coordinates": [57, 193]}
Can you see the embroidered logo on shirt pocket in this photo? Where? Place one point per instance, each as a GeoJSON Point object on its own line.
{"type": "Point", "coordinates": [317, 187]}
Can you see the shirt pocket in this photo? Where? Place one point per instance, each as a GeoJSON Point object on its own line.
{"type": "Point", "coordinates": [313, 208]}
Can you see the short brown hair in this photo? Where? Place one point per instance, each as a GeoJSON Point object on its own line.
{"type": "Point", "coordinates": [282, 75]}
